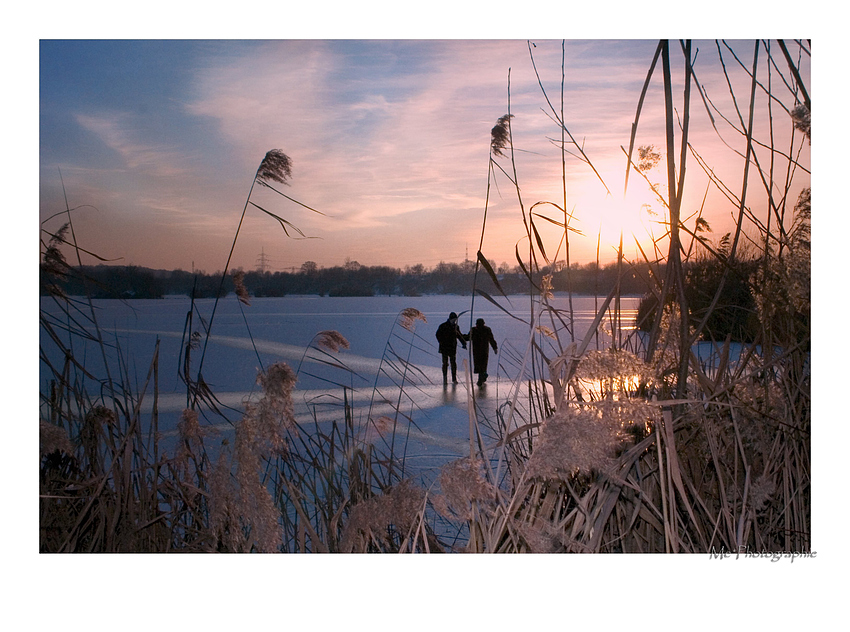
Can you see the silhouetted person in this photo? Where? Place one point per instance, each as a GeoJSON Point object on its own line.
{"type": "Point", "coordinates": [448, 334]}
{"type": "Point", "coordinates": [482, 339]}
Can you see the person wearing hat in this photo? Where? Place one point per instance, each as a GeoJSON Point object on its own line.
{"type": "Point", "coordinates": [482, 339]}
{"type": "Point", "coordinates": [448, 333]}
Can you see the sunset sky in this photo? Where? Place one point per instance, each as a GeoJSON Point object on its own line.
{"type": "Point", "coordinates": [157, 143]}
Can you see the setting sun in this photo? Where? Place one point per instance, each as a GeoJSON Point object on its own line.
{"type": "Point", "coordinates": [638, 216]}
{"type": "Point", "coordinates": [635, 216]}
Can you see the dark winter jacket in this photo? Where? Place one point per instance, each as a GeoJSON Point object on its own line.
{"type": "Point", "coordinates": [448, 333]}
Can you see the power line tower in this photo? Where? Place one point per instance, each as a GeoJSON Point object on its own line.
{"type": "Point", "coordinates": [263, 262]}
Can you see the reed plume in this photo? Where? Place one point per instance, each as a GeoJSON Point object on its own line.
{"type": "Point", "coordinates": [331, 340]}
{"type": "Point", "coordinates": [275, 166]}
{"type": "Point", "coordinates": [572, 441]}
{"type": "Point", "coordinates": [381, 522]}
{"type": "Point", "coordinates": [409, 316]}
{"type": "Point", "coordinates": [239, 287]}
{"type": "Point", "coordinates": [464, 487]}
{"type": "Point", "coordinates": [52, 438]}
{"type": "Point", "coordinates": [500, 135]}
{"type": "Point", "coordinates": [802, 120]}
{"type": "Point", "coordinates": [274, 414]}
{"type": "Point", "coordinates": [243, 513]}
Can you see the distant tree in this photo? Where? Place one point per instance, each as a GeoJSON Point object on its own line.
{"type": "Point", "coordinates": [309, 267]}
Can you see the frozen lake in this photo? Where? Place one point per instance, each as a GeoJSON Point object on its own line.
{"type": "Point", "coordinates": [247, 338]}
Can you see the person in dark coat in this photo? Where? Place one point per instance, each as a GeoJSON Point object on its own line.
{"type": "Point", "coordinates": [482, 339]}
{"type": "Point", "coordinates": [448, 333]}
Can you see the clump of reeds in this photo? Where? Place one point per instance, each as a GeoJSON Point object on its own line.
{"type": "Point", "coordinates": [389, 522]}
{"type": "Point", "coordinates": [464, 486]}
{"type": "Point", "coordinates": [107, 482]}
{"type": "Point", "coordinates": [653, 451]}
{"type": "Point", "coordinates": [572, 441]}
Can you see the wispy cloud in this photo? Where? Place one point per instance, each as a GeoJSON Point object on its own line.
{"type": "Point", "coordinates": [390, 139]}
{"type": "Point", "coordinates": [120, 133]}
